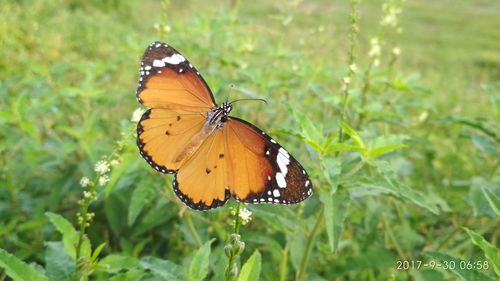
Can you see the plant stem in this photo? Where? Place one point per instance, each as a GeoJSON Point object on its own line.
{"type": "Point", "coordinates": [353, 41]}
{"type": "Point", "coordinates": [392, 238]}
{"type": "Point", "coordinates": [237, 221]}
{"type": "Point", "coordinates": [196, 237]}
{"type": "Point", "coordinates": [283, 264]}
{"type": "Point", "coordinates": [232, 257]}
{"type": "Point", "coordinates": [164, 17]}
{"type": "Point", "coordinates": [310, 243]}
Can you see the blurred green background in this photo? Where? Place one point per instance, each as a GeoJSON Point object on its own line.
{"type": "Point", "coordinates": [69, 70]}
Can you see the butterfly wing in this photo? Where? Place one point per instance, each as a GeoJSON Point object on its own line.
{"type": "Point", "coordinates": [262, 171]}
{"type": "Point", "coordinates": [202, 182]}
{"type": "Point", "coordinates": [179, 99]}
{"type": "Point", "coordinates": [242, 161]}
{"type": "Point", "coordinates": [168, 80]}
{"type": "Point", "coordinates": [162, 135]}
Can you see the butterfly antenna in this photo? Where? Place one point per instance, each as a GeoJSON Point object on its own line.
{"type": "Point", "coordinates": [231, 88]}
{"type": "Point", "coordinates": [262, 100]}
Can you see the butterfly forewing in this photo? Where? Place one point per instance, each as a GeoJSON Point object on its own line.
{"type": "Point", "coordinates": [168, 80]}
{"type": "Point", "coordinates": [279, 179]}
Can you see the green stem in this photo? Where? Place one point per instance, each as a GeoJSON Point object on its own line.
{"type": "Point", "coordinates": [353, 40]}
{"type": "Point", "coordinates": [309, 245]}
{"type": "Point", "coordinates": [164, 17]}
{"type": "Point", "coordinates": [232, 257]}
{"type": "Point", "coordinates": [392, 238]}
{"type": "Point", "coordinates": [237, 221]}
{"type": "Point", "coordinates": [193, 231]}
{"type": "Point", "coordinates": [283, 264]}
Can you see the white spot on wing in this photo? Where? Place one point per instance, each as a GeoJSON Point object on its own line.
{"type": "Point", "coordinates": [174, 59]}
{"type": "Point", "coordinates": [158, 63]}
{"type": "Point", "coordinates": [280, 179]}
{"type": "Point", "coordinates": [273, 141]}
{"type": "Point", "coordinates": [276, 193]}
{"type": "Point", "coordinates": [283, 160]}
{"type": "Point", "coordinates": [147, 67]}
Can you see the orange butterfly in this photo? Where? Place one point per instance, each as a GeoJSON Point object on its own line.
{"type": "Point", "coordinates": [213, 155]}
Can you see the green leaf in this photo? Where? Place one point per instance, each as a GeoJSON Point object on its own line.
{"type": "Point", "coordinates": [492, 199]}
{"type": "Point", "coordinates": [464, 274]}
{"type": "Point", "coordinates": [336, 147]}
{"type": "Point", "coordinates": [130, 275]}
{"type": "Point", "coordinates": [372, 153]}
{"type": "Point", "coordinates": [354, 136]}
{"type": "Point", "coordinates": [484, 144]}
{"type": "Point", "coordinates": [309, 131]}
{"type": "Point", "coordinates": [19, 270]}
{"type": "Point", "coordinates": [490, 251]}
{"type": "Point", "coordinates": [59, 266]}
{"type": "Point", "coordinates": [332, 169]}
{"type": "Point", "coordinates": [251, 269]}
{"type": "Point", "coordinates": [97, 251]}
{"type": "Point", "coordinates": [335, 211]}
{"type": "Point", "coordinates": [69, 234]}
{"type": "Point", "coordinates": [297, 245]}
{"type": "Point", "coordinates": [115, 263]}
{"type": "Point", "coordinates": [141, 196]}
{"type": "Point", "coordinates": [198, 269]}
{"type": "Point", "coordinates": [163, 268]}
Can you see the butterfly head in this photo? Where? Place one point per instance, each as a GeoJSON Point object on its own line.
{"type": "Point", "coordinates": [219, 115]}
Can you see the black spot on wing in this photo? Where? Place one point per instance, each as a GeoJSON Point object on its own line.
{"type": "Point", "coordinates": [144, 154]}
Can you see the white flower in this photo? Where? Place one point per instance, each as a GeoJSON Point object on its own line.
{"type": "Point", "coordinates": [374, 51]}
{"type": "Point", "coordinates": [346, 80]}
{"type": "Point", "coordinates": [102, 167]}
{"type": "Point", "coordinates": [353, 67]}
{"type": "Point", "coordinates": [84, 181]}
{"type": "Point", "coordinates": [137, 114]}
{"type": "Point", "coordinates": [245, 216]}
{"type": "Point", "coordinates": [114, 162]}
{"type": "Point", "coordinates": [396, 51]}
{"type": "Point", "coordinates": [103, 180]}
{"type": "Point", "coordinates": [87, 194]}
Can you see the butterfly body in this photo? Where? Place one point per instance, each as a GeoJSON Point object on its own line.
{"type": "Point", "coordinates": [213, 155]}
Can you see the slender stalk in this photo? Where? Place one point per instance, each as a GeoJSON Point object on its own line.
{"type": "Point", "coordinates": [234, 245]}
{"type": "Point", "coordinates": [392, 238]}
{"type": "Point", "coordinates": [283, 264]}
{"type": "Point", "coordinates": [193, 231]}
{"type": "Point", "coordinates": [237, 221]}
{"type": "Point", "coordinates": [162, 31]}
{"type": "Point", "coordinates": [353, 41]}
{"type": "Point", "coordinates": [309, 245]}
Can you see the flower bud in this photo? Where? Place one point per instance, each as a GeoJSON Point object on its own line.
{"type": "Point", "coordinates": [228, 249]}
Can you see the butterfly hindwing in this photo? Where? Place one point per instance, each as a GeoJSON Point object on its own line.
{"type": "Point", "coordinates": [282, 180]}
{"type": "Point", "coordinates": [162, 135]}
{"type": "Point", "coordinates": [168, 80]}
{"type": "Point", "coordinates": [202, 181]}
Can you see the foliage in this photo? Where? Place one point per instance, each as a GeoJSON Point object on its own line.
{"type": "Point", "coordinates": [396, 123]}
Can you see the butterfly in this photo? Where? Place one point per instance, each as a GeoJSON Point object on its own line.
{"type": "Point", "coordinates": [213, 155]}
